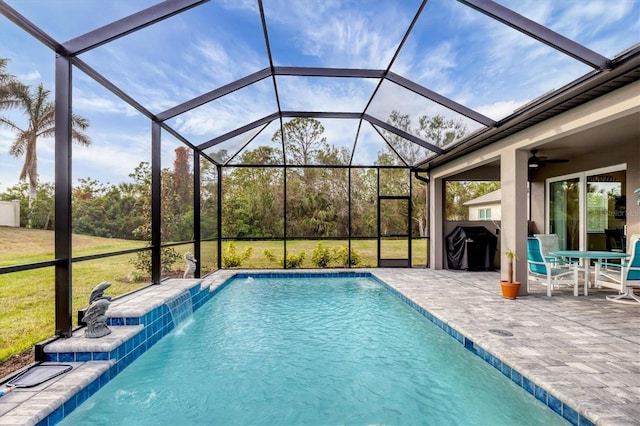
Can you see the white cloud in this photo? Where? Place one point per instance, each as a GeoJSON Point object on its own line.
{"type": "Point", "coordinates": [324, 94]}
{"type": "Point", "coordinates": [93, 103]}
{"type": "Point", "coordinates": [337, 34]}
{"type": "Point", "coordinates": [251, 5]}
{"type": "Point", "coordinates": [234, 110]}
{"type": "Point", "coordinates": [436, 66]}
{"type": "Point", "coordinates": [217, 64]}
{"type": "Point", "coordinates": [351, 40]}
{"type": "Point", "coordinates": [500, 109]}
{"type": "Point", "coordinates": [30, 77]}
{"type": "Point", "coordinates": [602, 25]}
{"type": "Point", "coordinates": [391, 96]}
{"type": "Point", "coordinates": [369, 145]}
{"type": "Point", "coordinates": [481, 63]}
{"type": "Point", "coordinates": [213, 52]}
{"type": "Point", "coordinates": [46, 148]}
{"type": "Point", "coordinates": [257, 101]}
{"type": "Point", "coordinates": [340, 133]}
{"type": "Point", "coordinates": [111, 162]}
{"type": "Point", "coordinates": [9, 171]}
{"type": "Point", "coordinates": [591, 17]}
{"type": "Point", "coordinates": [162, 81]}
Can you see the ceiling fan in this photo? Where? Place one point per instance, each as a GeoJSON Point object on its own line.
{"type": "Point", "coordinates": [538, 161]}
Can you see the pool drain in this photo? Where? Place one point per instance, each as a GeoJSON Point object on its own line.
{"type": "Point", "coordinates": [499, 332]}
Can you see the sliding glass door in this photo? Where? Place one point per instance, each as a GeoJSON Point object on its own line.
{"type": "Point", "coordinates": [587, 210]}
{"type": "Point", "coordinates": [606, 211]}
{"type": "Point", "coordinates": [564, 212]}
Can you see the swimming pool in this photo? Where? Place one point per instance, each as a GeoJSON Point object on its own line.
{"type": "Point", "coordinates": [292, 350]}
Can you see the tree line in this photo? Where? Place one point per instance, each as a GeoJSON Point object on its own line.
{"type": "Point", "coordinates": [254, 200]}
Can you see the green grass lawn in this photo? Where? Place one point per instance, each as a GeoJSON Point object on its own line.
{"type": "Point", "coordinates": [20, 245]}
{"type": "Point", "coordinates": [27, 297]}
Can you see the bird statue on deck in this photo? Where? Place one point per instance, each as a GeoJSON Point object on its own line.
{"type": "Point", "coordinates": [98, 292]}
{"type": "Point", "coordinates": [190, 269]}
{"type": "Point", "coordinates": [96, 319]}
{"type": "Point", "coordinates": [94, 316]}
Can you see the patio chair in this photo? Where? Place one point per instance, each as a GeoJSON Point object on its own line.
{"type": "Point", "coordinates": [549, 243]}
{"type": "Point", "coordinates": [545, 272]}
{"type": "Point", "coordinates": [623, 277]}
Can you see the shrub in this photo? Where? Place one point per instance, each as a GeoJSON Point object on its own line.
{"type": "Point", "coordinates": [268, 253]}
{"type": "Point", "coordinates": [321, 256]}
{"type": "Point", "coordinates": [142, 261]}
{"type": "Point", "coordinates": [231, 258]}
{"type": "Point", "coordinates": [168, 257]}
{"type": "Point", "coordinates": [137, 276]}
{"type": "Point", "coordinates": [295, 261]}
{"type": "Point", "coordinates": [342, 256]}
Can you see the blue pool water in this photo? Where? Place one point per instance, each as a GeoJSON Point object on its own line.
{"type": "Point", "coordinates": [313, 351]}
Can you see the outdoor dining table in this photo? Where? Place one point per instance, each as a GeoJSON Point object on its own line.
{"type": "Point", "coordinates": [585, 256]}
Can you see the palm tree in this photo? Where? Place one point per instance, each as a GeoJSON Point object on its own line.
{"type": "Point", "coordinates": [41, 117]}
{"type": "Point", "coordinates": [7, 86]}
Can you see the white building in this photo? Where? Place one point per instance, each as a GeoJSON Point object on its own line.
{"type": "Point", "coordinates": [485, 207]}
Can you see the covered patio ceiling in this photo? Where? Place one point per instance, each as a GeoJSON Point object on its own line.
{"type": "Point", "coordinates": [224, 76]}
{"type": "Point", "coordinates": [614, 134]}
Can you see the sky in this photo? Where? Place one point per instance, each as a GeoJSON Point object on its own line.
{"type": "Point", "coordinates": [452, 50]}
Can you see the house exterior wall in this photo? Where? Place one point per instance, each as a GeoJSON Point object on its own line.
{"type": "Point", "coordinates": [624, 102]}
{"type": "Point", "coordinates": [495, 208]}
{"type": "Point", "coordinates": [627, 152]}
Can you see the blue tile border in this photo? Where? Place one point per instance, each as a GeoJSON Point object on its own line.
{"type": "Point", "coordinates": [157, 323]}
{"type": "Point", "coordinates": [242, 275]}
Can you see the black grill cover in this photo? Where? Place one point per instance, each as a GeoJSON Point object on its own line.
{"type": "Point", "coordinates": [471, 248]}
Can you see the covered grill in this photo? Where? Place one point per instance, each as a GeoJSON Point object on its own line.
{"type": "Point", "coordinates": [471, 248]}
